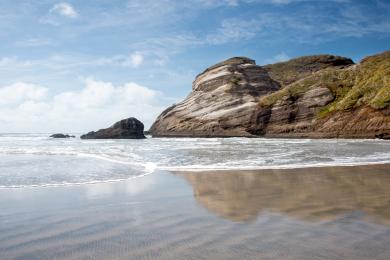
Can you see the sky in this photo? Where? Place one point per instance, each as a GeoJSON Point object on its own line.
{"type": "Point", "coordinates": [81, 65]}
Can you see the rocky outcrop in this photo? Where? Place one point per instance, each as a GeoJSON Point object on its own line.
{"type": "Point", "coordinates": [313, 96]}
{"type": "Point", "coordinates": [348, 102]}
{"type": "Point", "coordinates": [62, 136]}
{"type": "Point", "coordinates": [291, 114]}
{"type": "Point", "coordinates": [221, 103]}
{"type": "Point", "coordinates": [130, 128]}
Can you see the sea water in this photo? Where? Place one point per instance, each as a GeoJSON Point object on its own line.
{"type": "Point", "coordinates": [38, 160]}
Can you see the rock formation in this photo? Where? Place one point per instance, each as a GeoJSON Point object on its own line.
{"type": "Point", "coordinates": [223, 99]}
{"type": "Point", "coordinates": [130, 128]}
{"type": "Point", "coordinates": [313, 96]}
{"type": "Point", "coordinates": [62, 136]}
{"type": "Point", "coordinates": [350, 102]}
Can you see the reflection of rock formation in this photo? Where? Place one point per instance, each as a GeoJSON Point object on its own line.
{"type": "Point", "coordinates": [313, 194]}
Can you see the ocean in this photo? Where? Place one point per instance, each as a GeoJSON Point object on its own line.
{"type": "Point", "coordinates": [38, 160]}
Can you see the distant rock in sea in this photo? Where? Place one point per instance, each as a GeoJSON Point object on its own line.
{"type": "Point", "coordinates": [62, 136]}
{"type": "Point", "coordinates": [130, 128]}
{"type": "Point", "coordinates": [320, 96]}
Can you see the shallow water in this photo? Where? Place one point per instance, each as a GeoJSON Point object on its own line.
{"type": "Point", "coordinates": [35, 159]}
{"type": "Point", "coordinates": [327, 213]}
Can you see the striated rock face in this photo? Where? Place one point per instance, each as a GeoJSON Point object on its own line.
{"type": "Point", "coordinates": [290, 114]}
{"type": "Point", "coordinates": [358, 123]}
{"type": "Point", "coordinates": [348, 102]}
{"type": "Point", "coordinates": [315, 96]}
{"type": "Point", "coordinates": [221, 103]}
{"type": "Point", "coordinates": [130, 128]}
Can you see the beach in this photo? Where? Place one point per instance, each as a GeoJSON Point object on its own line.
{"type": "Point", "coordinates": [196, 129]}
{"type": "Point", "coordinates": [307, 213]}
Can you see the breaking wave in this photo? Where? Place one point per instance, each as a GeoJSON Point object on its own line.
{"type": "Point", "coordinates": [35, 160]}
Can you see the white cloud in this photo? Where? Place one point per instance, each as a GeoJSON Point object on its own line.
{"type": "Point", "coordinates": [34, 42]}
{"type": "Point", "coordinates": [281, 1]}
{"type": "Point", "coordinates": [135, 60]}
{"type": "Point", "coordinates": [234, 30]}
{"type": "Point", "coordinates": [11, 62]}
{"type": "Point", "coordinates": [99, 104]}
{"type": "Point", "coordinates": [308, 24]}
{"type": "Point", "coordinates": [216, 3]}
{"type": "Point", "coordinates": [59, 14]}
{"type": "Point", "coordinates": [159, 49]}
{"type": "Point", "coordinates": [64, 64]}
{"type": "Point", "coordinates": [19, 92]}
{"type": "Point", "coordinates": [64, 9]}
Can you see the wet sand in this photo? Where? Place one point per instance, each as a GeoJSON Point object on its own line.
{"type": "Point", "coordinates": [313, 213]}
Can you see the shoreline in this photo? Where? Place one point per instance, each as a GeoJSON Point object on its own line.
{"type": "Point", "coordinates": [200, 171]}
{"type": "Point", "coordinates": [312, 135]}
{"type": "Point", "coordinates": [319, 213]}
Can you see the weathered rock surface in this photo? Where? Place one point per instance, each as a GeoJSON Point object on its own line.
{"type": "Point", "coordinates": [62, 136]}
{"type": "Point", "coordinates": [290, 114]}
{"type": "Point", "coordinates": [130, 128]}
{"type": "Point", "coordinates": [348, 102]}
{"type": "Point", "coordinates": [221, 103]}
{"type": "Point", "coordinates": [314, 96]}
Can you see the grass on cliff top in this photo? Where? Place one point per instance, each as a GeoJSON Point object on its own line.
{"type": "Point", "coordinates": [371, 84]}
{"type": "Point", "coordinates": [295, 69]}
{"type": "Point", "coordinates": [367, 83]}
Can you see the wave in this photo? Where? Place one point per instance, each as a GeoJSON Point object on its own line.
{"type": "Point", "coordinates": [149, 166]}
{"type": "Point", "coordinates": [173, 154]}
{"type": "Point", "coordinates": [195, 168]}
{"type": "Point", "coordinates": [203, 168]}
{"type": "Point", "coordinates": [71, 183]}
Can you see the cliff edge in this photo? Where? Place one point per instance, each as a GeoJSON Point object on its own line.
{"type": "Point", "coordinates": [321, 96]}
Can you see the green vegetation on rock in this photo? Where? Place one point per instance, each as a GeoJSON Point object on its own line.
{"type": "Point", "coordinates": [367, 83]}
{"type": "Point", "coordinates": [295, 69]}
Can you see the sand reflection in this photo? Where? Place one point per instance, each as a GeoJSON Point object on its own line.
{"type": "Point", "coordinates": [310, 194]}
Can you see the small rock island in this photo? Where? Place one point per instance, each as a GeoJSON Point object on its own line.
{"type": "Point", "coordinates": [130, 128]}
{"type": "Point", "coordinates": [62, 136]}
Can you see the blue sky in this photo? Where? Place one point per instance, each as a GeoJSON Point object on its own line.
{"type": "Point", "coordinates": [80, 65]}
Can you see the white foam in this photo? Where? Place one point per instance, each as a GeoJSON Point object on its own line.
{"type": "Point", "coordinates": [202, 168]}
{"type": "Point", "coordinates": [119, 158]}
{"type": "Point", "coordinates": [71, 183]}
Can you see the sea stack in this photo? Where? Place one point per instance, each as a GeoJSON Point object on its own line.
{"type": "Point", "coordinates": [130, 128]}
{"type": "Point", "coordinates": [319, 96]}
{"type": "Point", "coordinates": [221, 103]}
